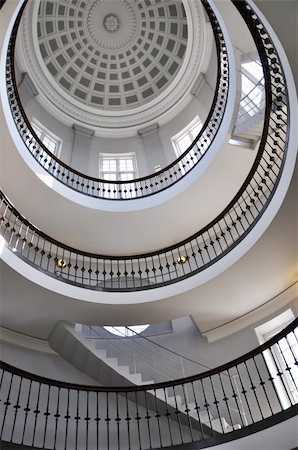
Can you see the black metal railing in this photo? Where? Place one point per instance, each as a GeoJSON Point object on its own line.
{"type": "Point", "coordinates": [139, 187]}
{"type": "Point", "coordinates": [241, 397]}
{"type": "Point", "coordinates": [202, 249]}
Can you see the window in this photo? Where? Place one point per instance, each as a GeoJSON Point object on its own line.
{"type": "Point", "coordinates": [252, 87]}
{"type": "Point", "coordinates": [283, 355]}
{"type": "Point", "coordinates": [182, 140]}
{"type": "Point", "coordinates": [118, 167]}
{"type": "Point", "coordinates": [122, 167]}
{"type": "Point", "coordinates": [49, 140]}
{"type": "Point", "coordinates": [127, 331]}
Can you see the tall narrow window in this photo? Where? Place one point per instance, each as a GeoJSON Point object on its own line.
{"type": "Point", "coordinates": [282, 359]}
{"type": "Point", "coordinates": [182, 140]}
{"type": "Point", "coordinates": [49, 140]}
{"type": "Point", "coordinates": [252, 87]}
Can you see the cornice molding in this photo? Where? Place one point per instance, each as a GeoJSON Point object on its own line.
{"type": "Point", "coordinates": [23, 340]}
{"type": "Point", "coordinates": [83, 131]}
{"type": "Point", "coordinates": [258, 314]}
{"type": "Point", "coordinates": [148, 130]}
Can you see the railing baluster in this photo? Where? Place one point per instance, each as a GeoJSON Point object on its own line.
{"type": "Point", "coordinates": [87, 419]}
{"type": "Point", "coordinates": [168, 416]}
{"type": "Point", "coordinates": [262, 384]}
{"type": "Point", "coordinates": [36, 412]}
{"type": "Point", "coordinates": [138, 418]}
{"type": "Point", "coordinates": [77, 418]}
{"type": "Point", "coordinates": [46, 414]}
{"type": "Point", "coordinates": [157, 416]}
{"type": "Point", "coordinates": [26, 409]}
{"type": "Point", "coordinates": [237, 398]}
{"type": "Point", "coordinates": [16, 406]}
{"type": "Point", "coordinates": [279, 373]}
{"type": "Point", "coordinates": [287, 367]}
{"type": "Point", "coordinates": [187, 410]}
{"type": "Point", "coordinates": [177, 412]}
{"type": "Point", "coordinates": [128, 419]}
{"type": "Point", "coordinates": [197, 407]}
{"type": "Point", "coordinates": [107, 419]}
{"type": "Point", "coordinates": [57, 415]}
{"type": "Point", "coordinates": [67, 417]}
{"type": "Point", "coordinates": [118, 419]}
{"type": "Point", "coordinates": [148, 417]}
{"type": "Point", "coordinates": [226, 399]}
{"type": "Point", "coordinates": [216, 401]}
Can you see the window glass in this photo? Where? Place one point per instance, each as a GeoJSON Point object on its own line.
{"type": "Point", "coordinates": [49, 140]}
{"type": "Point", "coordinates": [252, 88]}
{"type": "Point", "coordinates": [121, 167]}
{"type": "Point", "coordinates": [182, 140]}
{"type": "Point", "coordinates": [126, 331]}
{"type": "Point", "coordinates": [282, 357]}
{"type": "Point", "coordinates": [118, 167]}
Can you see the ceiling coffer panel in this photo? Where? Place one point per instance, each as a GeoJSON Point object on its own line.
{"type": "Point", "coordinates": [112, 54]}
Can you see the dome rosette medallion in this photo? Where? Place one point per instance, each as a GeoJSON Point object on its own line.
{"type": "Point", "coordinates": [113, 64]}
{"type": "Point", "coordinates": [112, 25]}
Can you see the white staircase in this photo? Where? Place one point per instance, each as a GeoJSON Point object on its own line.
{"type": "Point", "coordinates": [83, 353]}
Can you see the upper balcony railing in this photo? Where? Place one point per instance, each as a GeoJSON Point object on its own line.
{"type": "Point", "coordinates": [242, 397]}
{"type": "Point", "coordinates": [202, 249]}
{"type": "Point", "coordinates": [128, 189]}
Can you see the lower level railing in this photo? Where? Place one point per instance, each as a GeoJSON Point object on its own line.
{"type": "Point", "coordinates": [253, 391]}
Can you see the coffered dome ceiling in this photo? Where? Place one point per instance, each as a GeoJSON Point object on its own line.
{"type": "Point", "coordinates": [124, 60]}
{"type": "Point", "coordinates": [112, 54]}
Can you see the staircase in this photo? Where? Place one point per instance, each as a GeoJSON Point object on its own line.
{"type": "Point", "coordinates": [85, 355]}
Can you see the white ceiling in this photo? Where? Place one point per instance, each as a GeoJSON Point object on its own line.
{"type": "Point", "coordinates": [106, 67]}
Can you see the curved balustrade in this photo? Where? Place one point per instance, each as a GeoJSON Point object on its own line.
{"type": "Point", "coordinates": [246, 395]}
{"type": "Point", "coordinates": [199, 251]}
{"type": "Point", "coordinates": [128, 189]}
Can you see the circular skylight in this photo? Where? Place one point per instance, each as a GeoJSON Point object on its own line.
{"type": "Point", "coordinates": [126, 331]}
{"type": "Point", "coordinates": [112, 54]}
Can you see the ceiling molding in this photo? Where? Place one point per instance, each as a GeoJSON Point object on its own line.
{"type": "Point", "coordinates": [251, 318]}
{"type": "Point", "coordinates": [83, 131]}
{"type": "Point", "coordinates": [23, 340]}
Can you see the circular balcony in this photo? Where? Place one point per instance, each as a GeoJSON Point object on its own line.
{"type": "Point", "coordinates": [212, 248]}
{"type": "Point", "coordinates": [242, 397]}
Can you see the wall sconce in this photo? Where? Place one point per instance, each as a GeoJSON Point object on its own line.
{"type": "Point", "coordinates": [182, 259]}
{"type": "Point", "coordinates": [61, 263]}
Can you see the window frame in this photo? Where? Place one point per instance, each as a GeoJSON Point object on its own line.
{"type": "Point", "coordinates": [117, 157]}
{"type": "Point", "coordinates": [113, 189]}
{"type": "Point", "coordinates": [276, 360]}
{"type": "Point", "coordinates": [186, 132]}
{"type": "Point", "coordinates": [38, 127]}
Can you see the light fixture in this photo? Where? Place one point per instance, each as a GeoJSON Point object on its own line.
{"type": "Point", "coordinates": [181, 259]}
{"type": "Point", "coordinates": [61, 263]}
